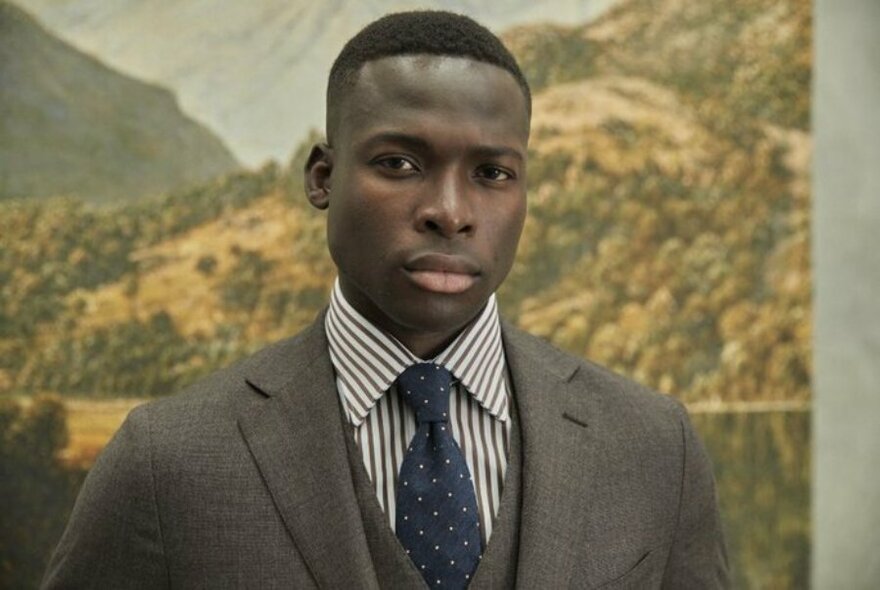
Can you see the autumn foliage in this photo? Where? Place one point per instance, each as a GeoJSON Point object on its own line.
{"type": "Point", "coordinates": [667, 238]}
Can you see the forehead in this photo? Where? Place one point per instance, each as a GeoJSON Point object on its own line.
{"type": "Point", "coordinates": [416, 90]}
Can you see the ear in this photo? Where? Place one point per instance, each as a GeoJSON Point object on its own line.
{"type": "Point", "coordinates": [319, 166]}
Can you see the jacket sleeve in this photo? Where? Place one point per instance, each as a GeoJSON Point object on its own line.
{"type": "Point", "coordinates": [113, 538]}
{"type": "Point", "coordinates": [698, 558]}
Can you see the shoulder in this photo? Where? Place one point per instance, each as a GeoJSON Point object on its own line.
{"type": "Point", "coordinates": [640, 447]}
{"type": "Point", "coordinates": [211, 405]}
{"type": "Point", "coordinates": [610, 397]}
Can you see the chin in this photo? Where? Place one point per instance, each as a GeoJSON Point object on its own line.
{"type": "Point", "coordinates": [440, 313]}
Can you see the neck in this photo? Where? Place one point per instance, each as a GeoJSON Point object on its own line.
{"type": "Point", "coordinates": [424, 344]}
{"type": "Point", "coordinates": [427, 345]}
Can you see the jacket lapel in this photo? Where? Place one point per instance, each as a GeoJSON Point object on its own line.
{"type": "Point", "coordinates": [556, 480]}
{"type": "Point", "coordinates": [293, 428]}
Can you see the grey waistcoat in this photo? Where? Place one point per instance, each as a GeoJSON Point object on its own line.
{"type": "Point", "coordinates": [393, 567]}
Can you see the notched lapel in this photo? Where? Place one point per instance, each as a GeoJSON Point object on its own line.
{"type": "Point", "coordinates": [559, 454]}
{"type": "Point", "coordinates": [294, 432]}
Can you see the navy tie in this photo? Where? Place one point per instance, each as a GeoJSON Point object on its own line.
{"type": "Point", "coordinates": [437, 520]}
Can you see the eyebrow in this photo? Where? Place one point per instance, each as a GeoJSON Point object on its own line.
{"type": "Point", "coordinates": [419, 143]}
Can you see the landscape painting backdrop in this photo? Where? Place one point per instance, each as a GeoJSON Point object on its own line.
{"type": "Point", "coordinates": [153, 226]}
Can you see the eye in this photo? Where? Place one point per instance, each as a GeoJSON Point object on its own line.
{"type": "Point", "coordinates": [396, 164]}
{"type": "Point", "coordinates": [494, 173]}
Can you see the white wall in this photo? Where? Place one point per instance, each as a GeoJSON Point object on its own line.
{"type": "Point", "coordinates": [846, 250]}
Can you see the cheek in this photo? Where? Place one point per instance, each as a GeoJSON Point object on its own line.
{"type": "Point", "coordinates": [345, 233]}
{"type": "Point", "coordinates": [351, 243]}
{"type": "Point", "coordinates": [506, 230]}
{"type": "Point", "coordinates": [359, 225]}
{"type": "Point", "coordinates": [513, 225]}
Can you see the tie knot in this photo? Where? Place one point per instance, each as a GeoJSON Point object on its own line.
{"type": "Point", "coordinates": [425, 387]}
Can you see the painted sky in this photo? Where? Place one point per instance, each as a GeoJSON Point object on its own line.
{"type": "Point", "coordinates": [254, 72]}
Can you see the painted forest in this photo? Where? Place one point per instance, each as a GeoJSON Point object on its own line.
{"type": "Point", "coordinates": [667, 238]}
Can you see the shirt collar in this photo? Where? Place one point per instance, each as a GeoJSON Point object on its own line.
{"type": "Point", "coordinates": [368, 360]}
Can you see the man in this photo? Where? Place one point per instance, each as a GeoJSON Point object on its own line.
{"type": "Point", "coordinates": [343, 457]}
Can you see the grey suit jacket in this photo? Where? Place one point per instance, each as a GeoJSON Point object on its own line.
{"type": "Point", "coordinates": [243, 482]}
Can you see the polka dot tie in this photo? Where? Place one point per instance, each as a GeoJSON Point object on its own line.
{"type": "Point", "coordinates": [437, 520]}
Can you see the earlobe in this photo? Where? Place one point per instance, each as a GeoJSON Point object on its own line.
{"type": "Point", "coordinates": [317, 172]}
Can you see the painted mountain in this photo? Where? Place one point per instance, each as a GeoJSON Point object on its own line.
{"type": "Point", "coordinates": [72, 126]}
{"type": "Point", "coordinates": [254, 71]}
{"type": "Point", "coordinates": [668, 235]}
{"type": "Point", "coordinates": [667, 238]}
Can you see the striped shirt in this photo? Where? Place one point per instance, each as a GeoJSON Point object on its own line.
{"type": "Point", "coordinates": [368, 361]}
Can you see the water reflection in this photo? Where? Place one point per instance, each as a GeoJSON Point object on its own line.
{"type": "Point", "coordinates": [762, 465]}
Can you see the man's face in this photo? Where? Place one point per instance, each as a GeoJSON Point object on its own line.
{"type": "Point", "coordinates": [426, 192]}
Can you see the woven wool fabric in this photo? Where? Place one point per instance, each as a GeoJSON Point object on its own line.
{"type": "Point", "coordinates": [437, 520]}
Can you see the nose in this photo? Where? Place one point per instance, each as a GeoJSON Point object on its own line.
{"type": "Point", "coordinates": [446, 208]}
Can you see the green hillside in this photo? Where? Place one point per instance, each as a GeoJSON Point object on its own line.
{"type": "Point", "coordinates": [660, 242]}
{"type": "Point", "coordinates": [70, 126]}
{"type": "Point", "coordinates": [59, 259]}
{"type": "Point", "coordinates": [667, 238]}
{"type": "Point", "coordinates": [737, 63]}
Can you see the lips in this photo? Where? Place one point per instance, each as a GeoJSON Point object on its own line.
{"type": "Point", "coordinates": [442, 273]}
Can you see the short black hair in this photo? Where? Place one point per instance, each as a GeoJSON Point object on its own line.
{"type": "Point", "coordinates": [432, 32]}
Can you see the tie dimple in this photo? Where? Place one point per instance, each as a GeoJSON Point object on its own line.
{"type": "Point", "coordinates": [437, 520]}
{"type": "Point", "coordinates": [425, 387]}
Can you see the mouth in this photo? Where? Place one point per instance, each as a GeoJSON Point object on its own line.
{"type": "Point", "coordinates": [442, 273]}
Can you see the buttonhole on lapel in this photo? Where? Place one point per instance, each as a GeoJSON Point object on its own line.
{"type": "Point", "coordinates": [571, 418]}
{"type": "Point", "coordinates": [257, 388]}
